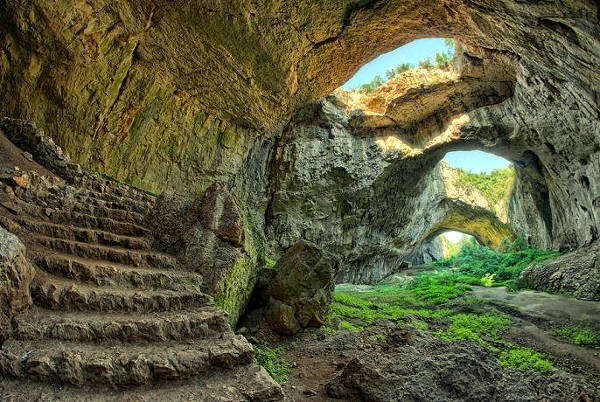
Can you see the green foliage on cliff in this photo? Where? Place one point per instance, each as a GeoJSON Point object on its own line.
{"type": "Point", "coordinates": [474, 262]}
{"type": "Point", "coordinates": [494, 186]}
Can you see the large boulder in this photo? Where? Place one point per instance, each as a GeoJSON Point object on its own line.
{"type": "Point", "coordinates": [212, 236]}
{"type": "Point", "coordinates": [299, 289]}
{"type": "Point", "coordinates": [16, 274]}
{"type": "Point", "coordinates": [576, 274]}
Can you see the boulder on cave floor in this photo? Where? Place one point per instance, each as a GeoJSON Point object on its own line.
{"type": "Point", "coordinates": [296, 293]}
{"type": "Point", "coordinates": [16, 274]}
{"type": "Point", "coordinates": [576, 274]}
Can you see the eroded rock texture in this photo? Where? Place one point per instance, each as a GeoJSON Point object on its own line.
{"type": "Point", "coordinates": [16, 274]}
{"type": "Point", "coordinates": [370, 203]}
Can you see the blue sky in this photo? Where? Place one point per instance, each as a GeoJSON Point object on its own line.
{"type": "Point", "coordinates": [412, 53]}
{"type": "Point", "coordinates": [475, 161]}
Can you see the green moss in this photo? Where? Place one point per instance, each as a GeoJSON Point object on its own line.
{"type": "Point", "coordinates": [271, 359]}
{"type": "Point", "coordinates": [269, 262]}
{"type": "Point", "coordinates": [525, 359]}
{"type": "Point", "coordinates": [476, 327]}
{"type": "Point", "coordinates": [234, 290]}
{"type": "Point", "coordinates": [377, 338]}
{"type": "Point", "coordinates": [348, 326]}
{"type": "Point", "coordinates": [579, 335]}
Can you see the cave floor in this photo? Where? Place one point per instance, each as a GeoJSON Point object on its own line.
{"type": "Point", "coordinates": [319, 358]}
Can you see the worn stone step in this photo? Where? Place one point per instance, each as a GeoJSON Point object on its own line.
{"type": "Point", "coordinates": [200, 323]}
{"type": "Point", "coordinates": [113, 201]}
{"type": "Point", "coordinates": [85, 221]}
{"type": "Point", "coordinates": [112, 188]}
{"type": "Point", "coordinates": [104, 273]}
{"type": "Point", "coordinates": [136, 258]}
{"type": "Point", "coordinates": [85, 235]}
{"type": "Point", "coordinates": [119, 364]}
{"type": "Point", "coordinates": [61, 294]}
{"type": "Point", "coordinates": [242, 383]}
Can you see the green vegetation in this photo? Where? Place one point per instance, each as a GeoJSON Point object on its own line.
{"type": "Point", "coordinates": [375, 83]}
{"type": "Point", "coordinates": [494, 186]}
{"type": "Point", "coordinates": [480, 328]}
{"type": "Point", "coordinates": [478, 265]}
{"type": "Point", "coordinates": [269, 262]}
{"type": "Point", "coordinates": [579, 335]}
{"type": "Point", "coordinates": [453, 248]}
{"type": "Point", "coordinates": [392, 72]}
{"type": "Point", "coordinates": [525, 359]}
{"type": "Point", "coordinates": [273, 362]}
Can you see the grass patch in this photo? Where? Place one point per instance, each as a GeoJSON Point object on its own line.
{"type": "Point", "coordinates": [525, 359]}
{"type": "Point", "coordinates": [579, 335]}
{"type": "Point", "coordinates": [273, 362]}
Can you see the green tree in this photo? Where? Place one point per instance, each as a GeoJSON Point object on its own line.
{"type": "Point", "coordinates": [426, 63]}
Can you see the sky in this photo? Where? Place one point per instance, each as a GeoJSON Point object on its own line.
{"type": "Point", "coordinates": [453, 237]}
{"type": "Point", "coordinates": [412, 53]}
{"type": "Point", "coordinates": [475, 161]}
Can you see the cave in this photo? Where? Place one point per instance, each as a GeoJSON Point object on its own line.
{"type": "Point", "coordinates": [197, 202]}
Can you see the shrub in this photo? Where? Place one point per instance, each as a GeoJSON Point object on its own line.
{"type": "Point", "coordinates": [494, 186]}
{"type": "Point", "coordinates": [475, 261]}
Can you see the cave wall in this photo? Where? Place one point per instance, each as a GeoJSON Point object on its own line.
{"type": "Point", "coordinates": [178, 95]}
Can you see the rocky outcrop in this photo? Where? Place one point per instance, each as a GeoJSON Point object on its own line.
{"type": "Point", "coordinates": [576, 274]}
{"type": "Point", "coordinates": [428, 252]}
{"type": "Point", "coordinates": [297, 291]}
{"type": "Point", "coordinates": [210, 236]}
{"type": "Point", "coordinates": [370, 204]}
{"type": "Point", "coordinates": [16, 274]}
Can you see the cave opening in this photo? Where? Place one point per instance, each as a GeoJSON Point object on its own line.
{"type": "Point", "coordinates": [425, 54]}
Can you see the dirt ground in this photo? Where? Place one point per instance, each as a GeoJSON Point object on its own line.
{"type": "Point", "coordinates": [318, 358]}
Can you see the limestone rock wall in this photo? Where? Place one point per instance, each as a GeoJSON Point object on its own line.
{"type": "Point", "coordinates": [372, 206]}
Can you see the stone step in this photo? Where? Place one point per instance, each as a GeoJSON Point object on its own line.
{"type": "Point", "coordinates": [83, 220]}
{"type": "Point", "coordinates": [136, 258]}
{"type": "Point", "coordinates": [242, 383]}
{"type": "Point", "coordinates": [118, 364]}
{"type": "Point", "coordinates": [61, 294]}
{"type": "Point", "coordinates": [112, 188]}
{"type": "Point", "coordinates": [112, 201]}
{"type": "Point", "coordinates": [103, 273]}
{"type": "Point", "coordinates": [92, 236]}
{"type": "Point", "coordinates": [41, 324]}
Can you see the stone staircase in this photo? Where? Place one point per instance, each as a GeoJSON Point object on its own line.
{"type": "Point", "coordinates": [112, 317]}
